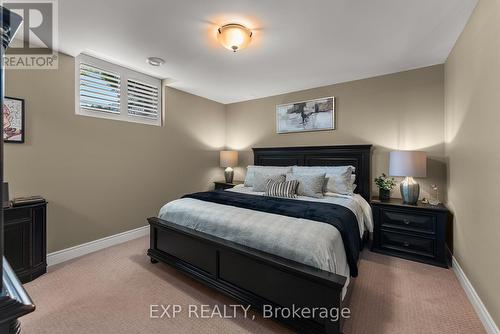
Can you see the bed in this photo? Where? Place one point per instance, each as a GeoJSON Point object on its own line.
{"type": "Point", "coordinates": [251, 273]}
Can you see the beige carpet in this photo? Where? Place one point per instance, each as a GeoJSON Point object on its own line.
{"type": "Point", "coordinates": [111, 291]}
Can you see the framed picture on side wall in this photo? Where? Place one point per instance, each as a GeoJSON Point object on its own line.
{"type": "Point", "coordinates": [13, 120]}
{"type": "Point", "coordinates": [311, 115]}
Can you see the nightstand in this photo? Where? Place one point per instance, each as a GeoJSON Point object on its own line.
{"type": "Point", "coordinates": [26, 239]}
{"type": "Point", "coordinates": [222, 185]}
{"type": "Point", "coordinates": [413, 232]}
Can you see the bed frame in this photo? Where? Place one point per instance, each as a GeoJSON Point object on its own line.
{"type": "Point", "coordinates": [256, 278]}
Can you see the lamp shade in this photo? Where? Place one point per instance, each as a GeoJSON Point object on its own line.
{"type": "Point", "coordinates": [408, 163]}
{"type": "Point", "coordinates": [228, 158]}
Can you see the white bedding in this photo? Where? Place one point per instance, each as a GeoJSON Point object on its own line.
{"type": "Point", "coordinates": [355, 203]}
{"type": "Point", "coordinates": [313, 243]}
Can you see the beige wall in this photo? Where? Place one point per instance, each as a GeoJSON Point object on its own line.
{"type": "Point", "coordinates": [102, 177]}
{"type": "Point", "coordinates": [399, 111]}
{"type": "Point", "coordinates": [472, 87]}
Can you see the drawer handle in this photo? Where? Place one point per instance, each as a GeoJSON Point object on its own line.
{"type": "Point", "coordinates": [406, 244]}
{"type": "Point", "coordinates": [406, 221]}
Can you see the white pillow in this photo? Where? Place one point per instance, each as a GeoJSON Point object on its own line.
{"type": "Point", "coordinates": [270, 170]}
{"type": "Point", "coordinates": [339, 179]}
{"type": "Point", "coordinates": [353, 179]}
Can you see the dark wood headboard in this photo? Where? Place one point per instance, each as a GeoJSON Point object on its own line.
{"type": "Point", "coordinates": [358, 156]}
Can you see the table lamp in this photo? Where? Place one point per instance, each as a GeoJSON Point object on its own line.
{"type": "Point", "coordinates": [408, 164]}
{"type": "Point", "coordinates": [228, 160]}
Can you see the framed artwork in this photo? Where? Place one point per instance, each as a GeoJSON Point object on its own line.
{"type": "Point", "coordinates": [13, 120]}
{"type": "Point", "coordinates": [311, 115]}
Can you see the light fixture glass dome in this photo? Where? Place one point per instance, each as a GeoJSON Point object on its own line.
{"type": "Point", "coordinates": [234, 36]}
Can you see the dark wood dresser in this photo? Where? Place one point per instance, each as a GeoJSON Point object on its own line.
{"type": "Point", "coordinates": [414, 232]}
{"type": "Point", "coordinates": [25, 240]}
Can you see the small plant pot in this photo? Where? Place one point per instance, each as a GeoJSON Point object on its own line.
{"type": "Point", "coordinates": [384, 195]}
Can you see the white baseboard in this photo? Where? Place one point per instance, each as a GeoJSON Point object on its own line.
{"type": "Point", "coordinates": [93, 246]}
{"type": "Point", "coordinates": [482, 312]}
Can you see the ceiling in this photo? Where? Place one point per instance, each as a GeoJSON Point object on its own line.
{"type": "Point", "coordinates": [297, 44]}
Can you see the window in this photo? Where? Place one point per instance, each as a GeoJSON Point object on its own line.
{"type": "Point", "coordinates": [110, 91]}
{"type": "Point", "coordinates": [142, 99]}
{"type": "Point", "coordinates": [99, 89]}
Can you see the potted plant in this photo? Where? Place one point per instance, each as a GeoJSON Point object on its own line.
{"type": "Point", "coordinates": [385, 185]}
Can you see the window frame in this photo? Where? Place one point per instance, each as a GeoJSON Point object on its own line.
{"type": "Point", "coordinates": [125, 74]}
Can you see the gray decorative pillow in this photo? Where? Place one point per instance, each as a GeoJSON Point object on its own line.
{"type": "Point", "coordinates": [339, 179]}
{"type": "Point", "coordinates": [310, 185]}
{"type": "Point", "coordinates": [287, 189]}
{"type": "Point", "coordinates": [251, 170]}
{"type": "Point", "coordinates": [260, 179]}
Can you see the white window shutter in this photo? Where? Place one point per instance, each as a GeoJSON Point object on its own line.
{"type": "Point", "coordinates": [110, 91]}
{"type": "Point", "coordinates": [143, 99]}
{"type": "Point", "coordinates": [99, 89]}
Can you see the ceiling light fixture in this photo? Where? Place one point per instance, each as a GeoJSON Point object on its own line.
{"type": "Point", "coordinates": [155, 61]}
{"type": "Point", "coordinates": [234, 36]}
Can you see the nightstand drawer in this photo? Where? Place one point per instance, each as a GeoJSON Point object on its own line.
{"type": "Point", "coordinates": [405, 221]}
{"type": "Point", "coordinates": [407, 243]}
{"type": "Point", "coordinates": [16, 214]}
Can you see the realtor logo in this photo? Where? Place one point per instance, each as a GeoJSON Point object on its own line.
{"type": "Point", "coordinates": [36, 39]}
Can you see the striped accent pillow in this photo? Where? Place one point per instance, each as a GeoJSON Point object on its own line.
{"type": "Point", "coordinates": [286, 189]}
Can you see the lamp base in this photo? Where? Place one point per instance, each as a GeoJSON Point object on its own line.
{"type": "Point", "coordinates": [410, 190]}
{"type": "Point", "coordinates": [228, 175]}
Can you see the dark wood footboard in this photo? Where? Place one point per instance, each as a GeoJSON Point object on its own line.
{"type": "Point", "coordinates": [250, 276]}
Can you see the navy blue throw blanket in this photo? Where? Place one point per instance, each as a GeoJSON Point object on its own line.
{"type": "Point", "coordinates": [338, 216]}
